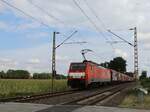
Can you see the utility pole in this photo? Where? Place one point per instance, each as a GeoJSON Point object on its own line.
{"type": "Point", "coordinates": [53, 59]}
{"type": "Point", "coordinates": [136, 69]}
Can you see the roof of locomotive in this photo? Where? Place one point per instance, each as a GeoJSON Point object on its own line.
{"type": "Point", "coordinates": [85, 61]}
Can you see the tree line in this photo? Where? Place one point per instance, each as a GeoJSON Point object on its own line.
{"type": "Point", "coordinates": [24, 74]}
{"type": "Point", "coordinates": [118, 64]}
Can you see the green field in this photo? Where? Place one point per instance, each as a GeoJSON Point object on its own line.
{"type": "Point", "coordinates": [18, 87]}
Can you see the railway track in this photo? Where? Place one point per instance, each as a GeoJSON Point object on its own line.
{"type": "Point", "coordinates": [37, 96]}
{"type": "Point", "coordinates": [97, 97]}
{"type": "Point", "coordinates": [72, 97]}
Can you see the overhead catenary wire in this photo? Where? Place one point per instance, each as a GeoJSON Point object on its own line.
{"type": "Point", "coordinates": [94, 13]}
{"type": "Point", "coordinates": [92, 22]}
{"type": "Point", "coordinates": [120, 38]}
{"type": "Point", "coordinates": [103, 25]}
{"type": "Point", "coordinates": [83, 42]}
{"type": "Point", "coordinates": [47, 13]}
{"type": "Point", "coordinates": [98, 18]}
{"type": "Point", "coordinates": [23, 12]}
{"type": "Point", "coordinates": [50, 15]}
{"type": "Point", "coordinates": [66, 39]}
{"type": "Point", "coordinates": [33, 18]}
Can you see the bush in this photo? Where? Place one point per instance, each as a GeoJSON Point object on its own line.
{"type": "Point", "coordinates": [41, 76]}
{"type": "Point", "coordinates": [146, 83]}
{"type": "Point", "coordinates": [60, 77]}
{"type": "Point", "coordinates": [47, 76]}
{"type": "Point", "coordinates": [2, 74]}
{"type": "Point", "coordinates": [17, 74]}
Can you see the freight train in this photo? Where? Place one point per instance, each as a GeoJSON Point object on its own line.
{"type": "Point", "coordinates": [87, 73]}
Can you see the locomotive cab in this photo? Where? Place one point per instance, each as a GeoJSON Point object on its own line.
{"type": "Point", "coordinates": [77, 75]}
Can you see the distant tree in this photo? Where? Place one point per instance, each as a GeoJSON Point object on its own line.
{"type": "Point", "coordinates": [41, 76]}
{"type": "Point", "coordinates": [47, 76]}
{"type": "Point", "coordinates": [2, 74]}
{"type": "Point", "coordinates": [60, 76]}
{"type": "Point", "coordinates": [17, 74]}
{"type": "Point", "coordinates": [118, 64]}
{"type": "Point", "coordinates": [143, 75]}
{"type": "Point", "coordinates": [105, 64]}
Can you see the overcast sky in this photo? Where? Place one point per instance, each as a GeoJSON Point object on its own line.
{"type": "Point", "coordinates": [26, 43]}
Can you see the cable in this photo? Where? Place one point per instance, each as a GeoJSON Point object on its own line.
{"type": "Point", "coordinates": [120, 38]}
{"type": "Point", "coordinates": [102, 24]}
{"type": "Point", "coordinates": [97, 28]}
{"type": "Point", "coordinates": [33, 18]}
{"type": "Point", "coordinates": [83, 42]}
{"type": "Point", "coordinates": [93, 12]}
{"type": "Point", "coordinates": [66, 39]}
{"type": "Point", "coordinates": [47, 13]}
{"type": "Point", "coordinates": [89, 18]}
{"type": "Point", "coordinates": [50, 15]}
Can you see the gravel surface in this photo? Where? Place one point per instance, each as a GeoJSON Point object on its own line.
{"type": "Point", "coordinates": [64, 98]}
{"type": "Point", "coordinates": [117, 98]}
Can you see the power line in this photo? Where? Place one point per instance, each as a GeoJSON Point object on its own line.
{"type": "Point", "coordinates": [120, 37]}
{"type": "Point", "coordinates": [47, 13]}
{"type": "Point", "coordinates": [93, 23]}
{"type": "Point", "coordinates": [33, 18]}
{"type": "Point", "coordinates": [66, 39]}
{"type": "Point", "coordinates": [94, 13]}
{"type": "Point", "coordinates": [50, 15]}
{"type": "Point", "coordinates": [89, 19]}
{"type": "Point", "coordinates": [82, 42]}
{"type": "Point", "coordinates": [104, 25]}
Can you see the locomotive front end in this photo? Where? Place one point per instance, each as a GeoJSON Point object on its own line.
{"type": "Point", "coordinates": [77, 75]}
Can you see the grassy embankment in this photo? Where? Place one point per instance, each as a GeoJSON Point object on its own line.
{"type": "Point", "coordinates": [18, 87]}
{"type": "Point", "coordinates": [132, 99]}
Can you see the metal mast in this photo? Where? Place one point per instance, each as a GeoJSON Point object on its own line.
{"type": "Point", "coordinates": [53, 59]}
{"type": "Point", "coordinates": [136, 68]}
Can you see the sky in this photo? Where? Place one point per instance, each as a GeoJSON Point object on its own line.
{"type": "Point", "coordinates": [26, 43]}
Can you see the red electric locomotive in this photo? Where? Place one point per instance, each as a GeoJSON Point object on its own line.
{"type": "Point", "coordinates": [86, 73]}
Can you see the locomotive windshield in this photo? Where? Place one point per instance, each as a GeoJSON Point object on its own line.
{"type": "Point", "coordinates": [78, 66]}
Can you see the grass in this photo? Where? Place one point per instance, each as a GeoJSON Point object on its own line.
{"type": "Point", "coordinates": [146, 83]}
{"type": "Point", "coordinates": [132, 101]}
{"type": "Point", "coordinates": [19, 87]}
